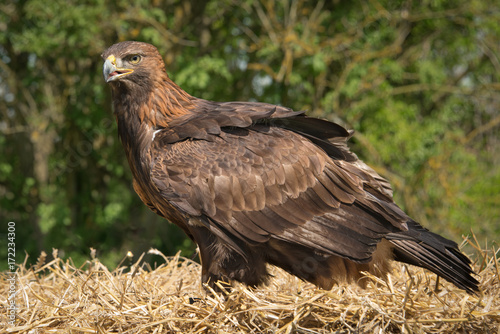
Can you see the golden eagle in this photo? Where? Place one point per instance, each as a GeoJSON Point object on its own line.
{"type": "Point", "coordinates": [254, 184]}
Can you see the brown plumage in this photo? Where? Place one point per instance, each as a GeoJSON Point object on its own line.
{"type": "Point", "coordinates": [255, 183]}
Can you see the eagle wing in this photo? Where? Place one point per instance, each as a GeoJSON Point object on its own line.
{"type": "Point", "coordinates": [269, 173]}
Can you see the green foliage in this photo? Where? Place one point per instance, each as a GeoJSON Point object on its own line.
{"type": "Point", "coordinates": [418, 82]}
{"type": "Point", "coordinates": [202, 72]}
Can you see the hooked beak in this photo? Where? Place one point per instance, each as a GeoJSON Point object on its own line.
{"type": "Point", "coordinates": [112, 71]}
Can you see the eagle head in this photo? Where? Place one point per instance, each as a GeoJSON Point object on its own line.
{"type": "Point", "coordinates": [132, 63]}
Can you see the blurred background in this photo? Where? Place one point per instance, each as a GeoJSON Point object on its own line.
{"type": "Point", "coordinates": [417, 80]}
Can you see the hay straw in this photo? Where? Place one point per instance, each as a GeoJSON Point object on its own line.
{"type": "Point", "coordinates": [56, 296]}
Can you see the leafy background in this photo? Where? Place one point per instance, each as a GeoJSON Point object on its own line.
{"type": "Point", "coordinates": [417, 80]}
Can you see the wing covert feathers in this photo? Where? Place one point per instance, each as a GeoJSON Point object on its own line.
{"type": "Point", "coordinates": [289, 178]}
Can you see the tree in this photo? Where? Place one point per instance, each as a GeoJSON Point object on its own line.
{"type": "Point", "coordinates": [417, 81]}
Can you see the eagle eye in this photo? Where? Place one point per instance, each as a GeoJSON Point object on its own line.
{"type": "Point", "coordinates": [134, 59]}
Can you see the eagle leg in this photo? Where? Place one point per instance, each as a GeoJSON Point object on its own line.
{"type": "Point", "coordinates": [221, 264]}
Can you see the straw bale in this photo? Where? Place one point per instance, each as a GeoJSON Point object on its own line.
{"type": "Point", "coordinates": [58, 297]}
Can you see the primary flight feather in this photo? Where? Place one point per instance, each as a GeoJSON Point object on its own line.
{"type": "Point", "coordinates": [254, 184]}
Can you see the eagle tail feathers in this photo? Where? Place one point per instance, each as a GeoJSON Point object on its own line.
{"type": "Point", "coordinates": [422, 248]}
